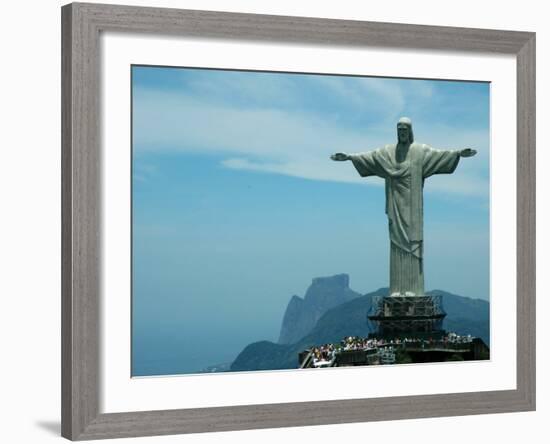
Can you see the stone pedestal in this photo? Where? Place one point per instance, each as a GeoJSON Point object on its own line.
{"type": "Point", "coordinates": [401, 316]}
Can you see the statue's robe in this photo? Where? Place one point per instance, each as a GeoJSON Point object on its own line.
{"type": "Point", "coordinates": [404, 205]}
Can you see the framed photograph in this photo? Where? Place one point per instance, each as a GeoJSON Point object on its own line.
{"type": "Point", "coordinates": [256, 207]}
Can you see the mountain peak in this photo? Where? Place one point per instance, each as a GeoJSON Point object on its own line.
{"type": "Point", "coordinates": [338, 280]}
{"type": "Point", "coordinates": [323, 294]}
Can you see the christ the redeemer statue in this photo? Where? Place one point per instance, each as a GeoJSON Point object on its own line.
{"type": "Point", "coordinates": [404, 167]}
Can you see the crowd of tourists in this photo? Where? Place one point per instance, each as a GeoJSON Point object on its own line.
{"type": "Point", "coordinates": [324, 355]}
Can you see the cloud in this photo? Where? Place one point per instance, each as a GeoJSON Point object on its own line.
{"type": "Point", "coordinates": [306, 169]}
{"type": "Point", "coordinates": [364, 93]}
{"type": "Point", "coordinates": [176, 122]}
{"type": "Point", "coordinates": [290, 125]}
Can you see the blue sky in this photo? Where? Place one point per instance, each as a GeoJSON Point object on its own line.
{"type": "Point", "coordinates": [236, 205]}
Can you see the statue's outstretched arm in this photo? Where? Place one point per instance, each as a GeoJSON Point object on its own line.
{"type": "Point", "coordinates": [467, 152]}
{"type": "Point", "coordinates": [442, 161]}
{"type": "Point", "coordinates": [340, 157]}
{"type": "Point", "coordinates": [367, 164]}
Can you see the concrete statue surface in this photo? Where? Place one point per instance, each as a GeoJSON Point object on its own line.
{"type": "Point", "coordinates": [404, 166]}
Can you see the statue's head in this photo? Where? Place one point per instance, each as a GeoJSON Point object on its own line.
{"type": "Point", "coordinates": [405, 130]}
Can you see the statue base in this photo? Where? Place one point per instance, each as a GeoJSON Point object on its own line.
{"type": "Point", "coordinates": [402, 316]}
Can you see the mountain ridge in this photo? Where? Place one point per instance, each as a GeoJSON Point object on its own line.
{"type": "Point", "coordinates": [464, 316]}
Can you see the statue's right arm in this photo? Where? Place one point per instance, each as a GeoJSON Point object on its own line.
{"type": "Point", "coordinates": [339, 157]}
{"type": "Point", "coordinates": [367, 163]}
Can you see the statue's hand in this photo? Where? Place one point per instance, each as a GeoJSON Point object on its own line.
{"type": "Point", "coordinates": [468, 152]}
{"type": "Point", "coordinates": [340, 157]}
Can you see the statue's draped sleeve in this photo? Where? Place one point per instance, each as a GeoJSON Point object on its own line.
{"type": "Point", "coordinates": [370, 163]}
{"type": "Point", "coordinates": [439, 161]}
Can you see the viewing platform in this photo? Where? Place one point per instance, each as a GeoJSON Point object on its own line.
{"type": "Point", "coordinates": [370, 351]}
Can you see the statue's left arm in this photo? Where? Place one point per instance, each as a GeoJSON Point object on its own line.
{"type": "Point", "coordinates": [437, 161]}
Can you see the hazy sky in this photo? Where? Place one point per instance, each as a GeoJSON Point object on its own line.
{"type": "Point", "coordinates": [236, 205]}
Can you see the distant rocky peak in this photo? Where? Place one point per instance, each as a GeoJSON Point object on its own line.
{"type": "Point", "coordinates": [323, 294]}
{"type": "Point", "coordinates": [329, 291]}
{"type": "Point", "coordinates": [338, 281]}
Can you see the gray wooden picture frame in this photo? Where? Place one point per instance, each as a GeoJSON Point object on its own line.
{"type": "Point", "coordinates": [81, 234]}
